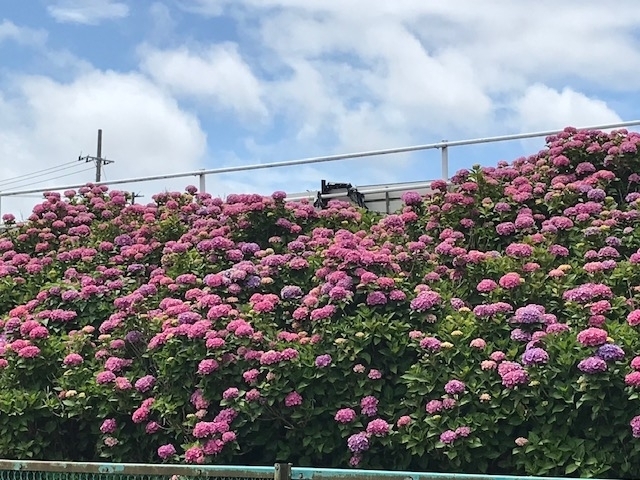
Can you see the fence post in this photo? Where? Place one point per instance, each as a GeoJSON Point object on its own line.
{"type": "Point", "coordinates": [203, 187]}
{"type": "Point", "coordinates": [282, 471]}
{"type": "Point", "coordinates": [445, 162]}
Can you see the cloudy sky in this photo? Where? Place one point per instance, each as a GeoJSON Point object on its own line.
{"type": "Point", "coordinates": [179, 85]}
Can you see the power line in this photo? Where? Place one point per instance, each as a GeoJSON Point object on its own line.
{"type": "Point", "coordinates": [27, 177]}
{"type": "Point", "coordinates": [37, 172]}
{"type": "Point", "coordinates": [53, 178]}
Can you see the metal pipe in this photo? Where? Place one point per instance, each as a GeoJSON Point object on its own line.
{"type": "Point", "coordinates": [131, 469]}
{"type": "Point", "coordinates": [203, 186]}
{"type": "Point", "coordinates": [338, 474]}
{"type": "Point", "coordinates": [282, 471]}
{"type": "Point", "coordinates": [445, 163]}
{"type": "Point", "coordinates": [328, 158]}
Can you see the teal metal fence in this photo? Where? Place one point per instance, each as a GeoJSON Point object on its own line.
{"type": "Point", "coordinates": [37, 470]}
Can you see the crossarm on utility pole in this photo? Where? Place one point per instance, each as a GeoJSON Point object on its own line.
{"type": "Point", "coordinates": [99, 161]}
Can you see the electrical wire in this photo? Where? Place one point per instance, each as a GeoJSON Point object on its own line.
{"type": "Point", "coordinates": [4, 183]}
{"type": "Point", "coordinates": [52, 178]}
{"type": "Point", "coordinates": [37, 172]}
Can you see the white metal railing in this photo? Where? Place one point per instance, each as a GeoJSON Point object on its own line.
{"type": "Point", "coordinates": [443, 146]}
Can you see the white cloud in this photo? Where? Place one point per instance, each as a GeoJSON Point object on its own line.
{"type": "Point", "coordinates": [211, 8]}
{"type": "Point", "coordinates": [217, 76]}
{"type": "Point", "coordinates": [353, 75]}
{"type": "Point", "coordinates": [342, 75]}
{"type": "Point", "coordinates": [544, 108]}
{"type": "Point", "coordinates": [443, 67]}
{"type": "Point", "coordinates": [87, 12]}
{"type": "Point", "coordinates": [9, 31]}
{"type": "Point", "coordinates": [51, 123]}
{"type": "Point", "coordinates": [163, 22]}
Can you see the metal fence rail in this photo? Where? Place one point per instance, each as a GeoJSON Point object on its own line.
{"type": "Point", "coordinates": [443, 146]}
{"type": "Point", "coordinates": [38, 470]}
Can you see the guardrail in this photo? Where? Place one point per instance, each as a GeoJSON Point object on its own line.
{"type": "Point", "coordinates": [443, 146]}
{"type": "Point", "coordinates": [38, 470]}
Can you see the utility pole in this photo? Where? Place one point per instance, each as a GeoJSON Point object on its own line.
{"type": "Point", "coordinates": [135, 195]}
{"type": "Point", "coordinates": [99, 161]}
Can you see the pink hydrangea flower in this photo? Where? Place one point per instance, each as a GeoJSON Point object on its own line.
{"type": "Point", "coordinates": [378, 427]}
{"type": "Point", "coordinates": [166, 451]}
{"type": "Point", "coordinates": [592, 337]}
{"type": "Point", "coordinates": [510, 280]}
{"type": "Point", "coordinates": [72, 360]}
{"type": "Point", "coordinates": [345, 415]}
{"type": "Point", "coordinates": [293, 399]}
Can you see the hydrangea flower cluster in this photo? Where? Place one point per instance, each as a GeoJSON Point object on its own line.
{"type": "Point", "coordinates": [492, 312]}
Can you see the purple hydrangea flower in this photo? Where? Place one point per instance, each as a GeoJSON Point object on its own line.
{"type": "Point", "coordinates": [610, 352]}
{"type": "Point", "coordinates": [592, 365]}
{"type": "Point", "coordinates": [535, 356]}
{"type": "Point", "coordinates": [358, 442]}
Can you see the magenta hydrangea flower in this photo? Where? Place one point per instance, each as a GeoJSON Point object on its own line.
{"type": "Point", "coordinates": [515, 378]}
{"type": "Point", "coordinates": [633, 379]}
{"type": "Point", "coordinates": [73, 359]}
{"type": "Point", "coordinates": [519, 250]}
{"type": "Point", "coordinates": [253, 395]}
{"type": "Point", "coordinates": [425, 300]}
{"type": "Point", "coordinates": [635, 426]}
{"type": "Point", "coordinates": [434, 406]}
{"type": "Point", "coordinates": [510, 280]}
{"type": "Point", "coordinates": [592, 337]}
{"type": "Point", "coordinates": [404, 421]}
{"type": "Point", "coordinates": [194, 455]}
{"type": "Point", "coordinates": [448, 437]}
{"type": "Point", "coordinates": [323, 361]}
{"type": "Point", "coordinates": [486, 285]}
{"type": "Point", "coordinates": [411, 198]}
{"type": "Point", "coordinates": [454, 387]}
{"type": "Point", "coordinates": [293, 399]}
{"type": "Point", "coordinates": [30, 351]}
{"type": "Point", "coordinates": [207, 366]}
{"type": "Point", "coordinates": [230, 393]}
{"type": "Point", "coordinates": [369, 406]}
{"type": "Point", "coordinates": [108, 425]}
{"type": "Point", "coordinates": [430, 343]}
{"type": "Point", "coordinates": [105, 377]}
{"type": "Point", "coordinates": [146, 383]}
{"type": "Point", "coordinates": [634, 318]}
{"type": "Point", "coordinates": [345, 415]}
{"type": "Point", "coordinates": [378, 427]}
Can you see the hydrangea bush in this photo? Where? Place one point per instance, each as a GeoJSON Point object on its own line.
{"type": "Point", "coordinates": [491, 326]}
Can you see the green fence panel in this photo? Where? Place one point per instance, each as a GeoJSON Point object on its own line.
{"type": "Point", "coordinates": [38, 470]}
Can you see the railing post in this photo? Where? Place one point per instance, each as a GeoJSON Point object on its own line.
{"type": "Point", "coordinates": [445, 162]}
{"type": "Point", "coordinates": [203, 187]}
{"type": "Point", "coordinates": [282, 471]}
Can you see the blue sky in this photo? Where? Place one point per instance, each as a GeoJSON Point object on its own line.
{"type": "Point", "coordinates": [179, 85]}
